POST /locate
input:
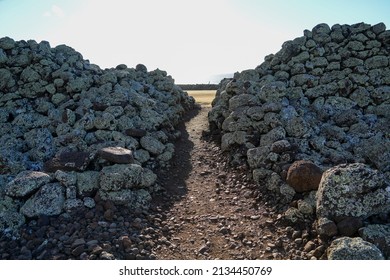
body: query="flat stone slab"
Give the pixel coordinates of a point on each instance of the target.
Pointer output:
(116, 155)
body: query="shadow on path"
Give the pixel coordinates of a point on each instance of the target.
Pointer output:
(174, 178)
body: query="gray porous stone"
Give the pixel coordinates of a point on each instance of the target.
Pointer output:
(68, 161)
(353, 190)
(379, 235)
(72, 203)
(48, 200)
(7, 43)
(152, 145)
(133, 199)
(66, 179)
(87, 182)
(347, 248)
(125, 176)
(10, 223)
(26, 183)
(89, 202)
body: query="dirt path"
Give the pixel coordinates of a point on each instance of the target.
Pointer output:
(213, 211)
(208, 211)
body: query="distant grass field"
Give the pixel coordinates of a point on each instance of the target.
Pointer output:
(203, 97)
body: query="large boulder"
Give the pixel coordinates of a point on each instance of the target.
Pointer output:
(353, 190)
(346, 248)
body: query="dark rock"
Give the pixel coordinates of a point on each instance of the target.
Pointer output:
(141, 68)
(134, 132)
(78, 250)
(304, 176)
(349, 226)
(78, 242)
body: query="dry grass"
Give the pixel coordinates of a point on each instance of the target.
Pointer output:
(203, 97)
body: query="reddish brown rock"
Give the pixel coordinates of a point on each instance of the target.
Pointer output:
(304, 176)
(116, 155)
(68, 161)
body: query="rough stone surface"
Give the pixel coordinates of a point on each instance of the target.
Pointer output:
(49, 201)
(346, 248)
(352, 190)
(26, 183)
(133, 199)
(152, 145)
(87, 182)
(304, 176)
(68, 161)
(349, 226)
(10, 222)
(125, 176)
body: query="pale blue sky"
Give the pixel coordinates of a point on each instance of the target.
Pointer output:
(192, 40)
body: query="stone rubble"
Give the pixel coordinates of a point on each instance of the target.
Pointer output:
(323, 100)
(70, 130)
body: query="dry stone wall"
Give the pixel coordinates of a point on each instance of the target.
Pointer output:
(324, 97)
(313, 119)
(70, 130)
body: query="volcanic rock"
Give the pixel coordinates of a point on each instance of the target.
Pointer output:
(346, 248)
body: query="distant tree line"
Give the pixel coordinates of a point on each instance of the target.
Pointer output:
(199, 87)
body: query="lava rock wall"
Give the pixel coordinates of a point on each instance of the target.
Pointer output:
(70, 130)
(324, 97)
